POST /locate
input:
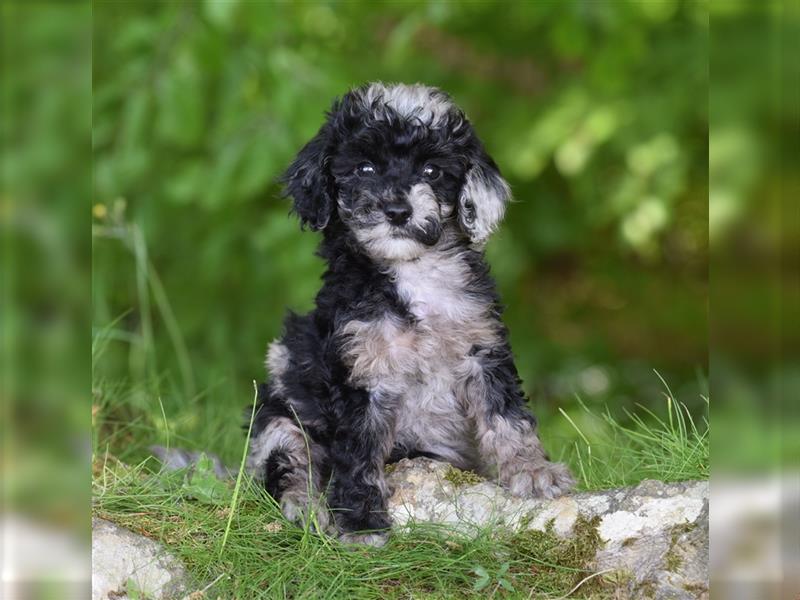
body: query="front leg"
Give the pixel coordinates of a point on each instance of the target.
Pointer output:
(358, 492)
(506, 431)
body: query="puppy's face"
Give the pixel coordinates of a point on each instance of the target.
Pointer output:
(396, 188)
(401, 168)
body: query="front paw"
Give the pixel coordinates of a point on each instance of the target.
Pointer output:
(307, 513)
(362, 527)
(542, 480)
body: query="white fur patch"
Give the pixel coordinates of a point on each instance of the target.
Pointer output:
(422, 102)
(277, 363)
(423, 202)
(379, 242)
(483, 205)
(280, 433)
(435, 287)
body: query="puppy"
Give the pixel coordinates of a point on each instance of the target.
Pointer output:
(405, 353)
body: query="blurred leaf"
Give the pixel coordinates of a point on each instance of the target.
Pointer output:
(484, 579)
(136, 118)
(187, 184)
(220, 12)
(506, 584)
(222, 173)
(202, 483)
(181, 104)
(259, 165)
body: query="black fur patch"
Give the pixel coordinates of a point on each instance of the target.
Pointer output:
(274, 471)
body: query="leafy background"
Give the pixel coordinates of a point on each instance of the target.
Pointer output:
(596, 112)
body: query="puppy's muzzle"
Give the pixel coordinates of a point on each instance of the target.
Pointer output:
(398, 212)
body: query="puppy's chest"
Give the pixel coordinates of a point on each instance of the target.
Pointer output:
(426, 351)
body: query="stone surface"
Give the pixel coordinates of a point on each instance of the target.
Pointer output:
(656, 534)
(123, 560)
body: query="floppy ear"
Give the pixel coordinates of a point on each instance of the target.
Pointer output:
(309, 182)
(483, 198)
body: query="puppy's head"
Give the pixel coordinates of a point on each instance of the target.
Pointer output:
(402, 169)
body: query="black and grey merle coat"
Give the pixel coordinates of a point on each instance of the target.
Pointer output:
(405, 353)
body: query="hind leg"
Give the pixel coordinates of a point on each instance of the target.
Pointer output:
(289, 464)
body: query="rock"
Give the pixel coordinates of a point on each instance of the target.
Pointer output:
(654, 534)
(123, 560)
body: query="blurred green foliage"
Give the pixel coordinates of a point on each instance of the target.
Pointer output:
(595, 111)
(755, 234)
(45, 194)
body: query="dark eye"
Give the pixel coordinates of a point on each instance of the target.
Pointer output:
(431, 172)
(366, 169)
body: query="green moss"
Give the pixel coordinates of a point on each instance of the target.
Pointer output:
(673, 561)
(672, 558)
(617, 581)
(646, 589)
(695, 588)
(460, 478)
(560, 563)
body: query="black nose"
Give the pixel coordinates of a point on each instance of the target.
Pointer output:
(398, 213)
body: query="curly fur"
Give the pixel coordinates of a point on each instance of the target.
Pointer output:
(405, 353)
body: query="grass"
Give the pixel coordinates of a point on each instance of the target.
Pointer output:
(668, 447)
(238, 539)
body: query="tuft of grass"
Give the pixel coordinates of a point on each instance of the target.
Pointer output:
(673, 447)
(239, 477)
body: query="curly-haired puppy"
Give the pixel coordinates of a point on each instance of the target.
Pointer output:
(405, 354)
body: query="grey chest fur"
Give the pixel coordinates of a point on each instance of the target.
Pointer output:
(417, 370)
